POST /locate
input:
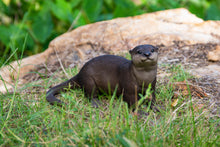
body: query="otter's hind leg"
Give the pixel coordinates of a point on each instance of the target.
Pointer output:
(91, 92)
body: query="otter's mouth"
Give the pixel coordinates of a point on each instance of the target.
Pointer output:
(146, 59)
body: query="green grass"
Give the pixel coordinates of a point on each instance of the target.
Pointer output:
(27, 119)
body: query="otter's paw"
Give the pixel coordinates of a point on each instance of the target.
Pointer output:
(95, 103)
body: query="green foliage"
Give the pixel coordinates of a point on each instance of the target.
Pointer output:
(43, 20)
(206, 9)
(92, 9)
(124, 8)
(213, 11)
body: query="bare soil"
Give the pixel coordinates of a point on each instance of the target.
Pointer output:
(194, 59)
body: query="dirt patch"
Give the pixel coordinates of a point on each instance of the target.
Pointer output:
(194, 59)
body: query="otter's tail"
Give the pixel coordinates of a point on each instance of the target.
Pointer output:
(50, 96)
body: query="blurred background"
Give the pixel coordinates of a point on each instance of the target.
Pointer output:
(27, 26)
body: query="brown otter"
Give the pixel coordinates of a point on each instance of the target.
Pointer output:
(114, 72)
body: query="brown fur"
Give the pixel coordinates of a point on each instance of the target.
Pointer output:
(109, 71)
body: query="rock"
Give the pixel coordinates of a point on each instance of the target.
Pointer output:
(208, 71)
(158, 28)
(214, 55)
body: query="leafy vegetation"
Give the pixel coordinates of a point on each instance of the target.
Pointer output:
(40, 21)
(26, 119)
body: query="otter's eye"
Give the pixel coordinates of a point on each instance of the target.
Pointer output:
(152, 50)
(139, 52)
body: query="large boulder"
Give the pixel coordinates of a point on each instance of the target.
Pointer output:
(162, 28)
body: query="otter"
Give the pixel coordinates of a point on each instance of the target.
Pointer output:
(109, 72)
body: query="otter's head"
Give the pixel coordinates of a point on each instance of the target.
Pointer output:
(144, 55)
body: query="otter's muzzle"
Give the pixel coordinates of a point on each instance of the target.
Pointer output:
(147, 54)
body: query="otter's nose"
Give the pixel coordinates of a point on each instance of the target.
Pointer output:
(147, 54)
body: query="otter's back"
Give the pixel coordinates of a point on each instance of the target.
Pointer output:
(103, 70)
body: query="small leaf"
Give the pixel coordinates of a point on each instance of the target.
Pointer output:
(5, 33)
(12, 35)
(41, 24)
(175, 102)
(124, 8)
(198, 8)
(62, 10)
(77, 16)
(213, 12)
(92, 9)
(74, 3)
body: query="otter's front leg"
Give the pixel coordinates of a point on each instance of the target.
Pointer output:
(133, 104)
(153, 101)
(153, 91)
